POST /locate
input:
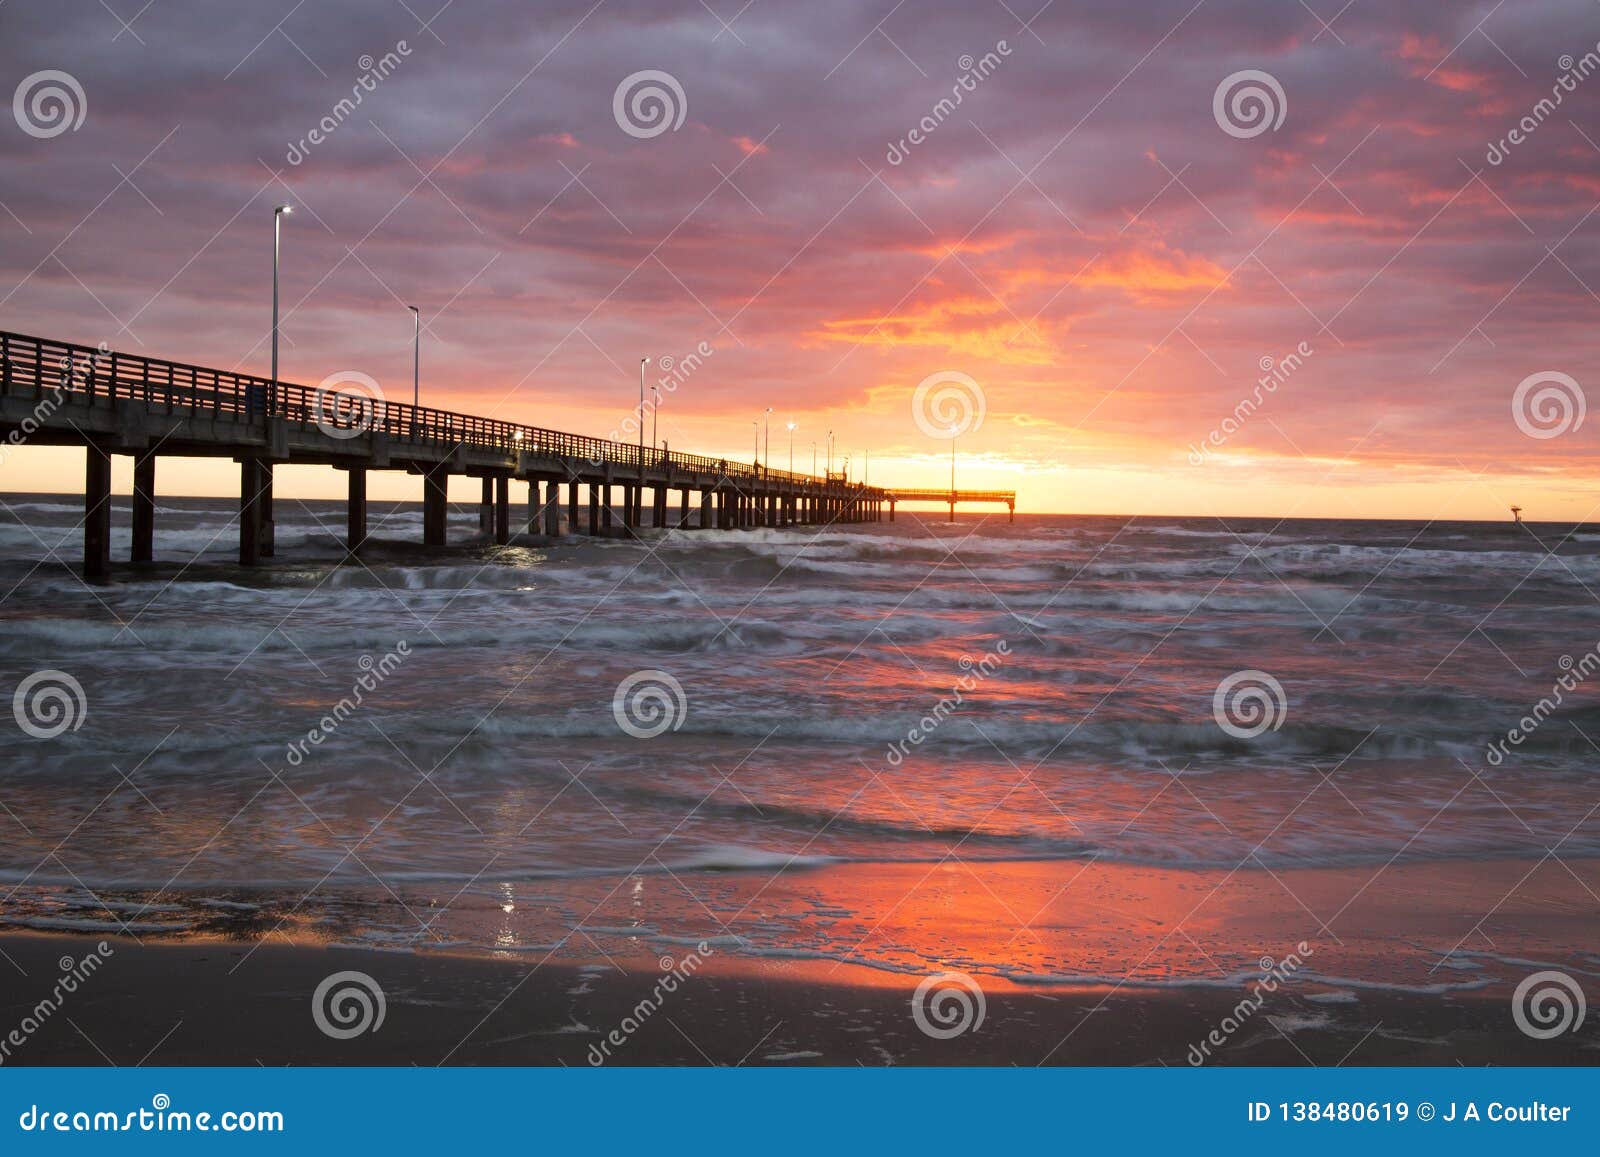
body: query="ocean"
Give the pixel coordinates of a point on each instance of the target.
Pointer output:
(1035, 752)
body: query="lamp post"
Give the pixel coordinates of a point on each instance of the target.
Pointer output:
(766, 447)
(830, 451)
(953, 433)
(277, 232)
(813, 457)
(416, 356)
(642, 363)
(791, 447)
(756, 453)
(655, 416)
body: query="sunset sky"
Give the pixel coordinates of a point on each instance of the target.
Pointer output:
(1080, 236)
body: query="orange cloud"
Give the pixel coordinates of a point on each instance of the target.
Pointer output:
(976, 326)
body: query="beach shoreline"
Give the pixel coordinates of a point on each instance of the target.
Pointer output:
(235, 1004)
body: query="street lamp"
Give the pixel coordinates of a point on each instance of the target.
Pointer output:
(757, 451)
(642, 363)
(953, 433)
(655, 416)
(277, 219)
(830, 451)
(791, 447)
(766, 449)
(813, 457)
(416, 356)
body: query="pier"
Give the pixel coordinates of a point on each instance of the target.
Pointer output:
(61, 394)
(895, 495)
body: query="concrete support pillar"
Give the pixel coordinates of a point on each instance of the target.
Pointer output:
(658, 515)
(250, 482)
(952, 509)
(144, 509)
(486, 507)
(502, 510)
(572, 507)
(594, 508)
(683, 508)
(605, 508)
(96, 512)
(434, 483)
(356, 510)
(552, 508)
(1011, 511)
(891, 510)
(705, 510)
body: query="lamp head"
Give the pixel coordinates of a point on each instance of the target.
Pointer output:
(282, 209)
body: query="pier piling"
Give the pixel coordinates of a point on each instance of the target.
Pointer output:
(96, 512)
(144, 509)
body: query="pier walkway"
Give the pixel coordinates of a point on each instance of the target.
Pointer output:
(57, 393)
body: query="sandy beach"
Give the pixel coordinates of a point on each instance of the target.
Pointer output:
(185, 1004)
(1382, 981)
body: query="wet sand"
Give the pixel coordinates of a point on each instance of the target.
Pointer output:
(229, 1003)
